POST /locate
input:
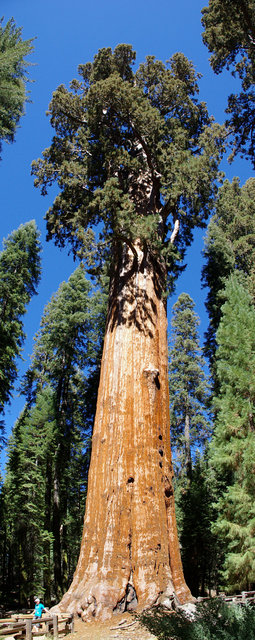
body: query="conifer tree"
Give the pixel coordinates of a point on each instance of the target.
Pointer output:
(66, 358)
(233, 443)
(135, 156)
(28, 502)
(190, 430)
(229, 246)
(230, 37)
(189, 388)
(26, 485)
(13, 78)
(201, 552)
(69, 337)
(19, 277)
(2, 542)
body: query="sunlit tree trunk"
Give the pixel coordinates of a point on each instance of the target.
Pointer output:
(130, 553)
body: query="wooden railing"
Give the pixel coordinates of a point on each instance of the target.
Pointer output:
(25, 626)
(245, 597)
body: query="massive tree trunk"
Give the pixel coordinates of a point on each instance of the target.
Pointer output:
(129, 552)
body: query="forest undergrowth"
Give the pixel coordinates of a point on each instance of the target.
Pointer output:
(213, 620)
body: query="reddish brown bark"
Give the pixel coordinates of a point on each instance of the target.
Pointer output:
(130, 535)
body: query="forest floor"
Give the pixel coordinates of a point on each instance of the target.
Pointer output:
(121, 627)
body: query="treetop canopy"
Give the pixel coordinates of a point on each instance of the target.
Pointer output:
(230, 37)
(135, 155)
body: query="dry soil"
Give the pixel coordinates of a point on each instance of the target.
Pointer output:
(121, 627)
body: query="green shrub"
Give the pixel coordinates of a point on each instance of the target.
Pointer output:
(213, 620)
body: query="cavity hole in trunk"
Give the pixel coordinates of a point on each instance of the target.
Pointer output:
(130, 480)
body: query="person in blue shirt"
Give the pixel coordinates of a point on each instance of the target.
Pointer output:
(38, 610)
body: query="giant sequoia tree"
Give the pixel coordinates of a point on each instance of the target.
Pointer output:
(135, 156)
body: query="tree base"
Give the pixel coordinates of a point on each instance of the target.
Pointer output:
(101, 602)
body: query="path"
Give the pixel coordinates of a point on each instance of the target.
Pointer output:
(120, 627)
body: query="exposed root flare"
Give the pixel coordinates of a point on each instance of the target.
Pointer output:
(169, 601)
(87, 608)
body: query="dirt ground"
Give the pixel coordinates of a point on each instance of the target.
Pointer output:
(120, 627)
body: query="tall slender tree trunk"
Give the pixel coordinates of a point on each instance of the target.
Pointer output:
(3, 560)
(188, 462)
(129, 552)
(47, 528)
(59, 500)
(56, 523)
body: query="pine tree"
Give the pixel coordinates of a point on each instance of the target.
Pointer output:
(13, 78)
(190, 430)
(189, 389)
(135, 156)
(26, 486)
(19, 277)
(65, 368)
(233, 444)
(45, 484)
(230, 36)
(28, 502)
(2, 542)
(201, 552)
(229, 246)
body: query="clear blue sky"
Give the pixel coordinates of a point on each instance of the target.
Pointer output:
(67, 34)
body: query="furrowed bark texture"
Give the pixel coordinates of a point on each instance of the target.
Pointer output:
(129, 552)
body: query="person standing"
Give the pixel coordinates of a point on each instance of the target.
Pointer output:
(38, 610)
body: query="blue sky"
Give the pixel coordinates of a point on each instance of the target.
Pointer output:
(67, 34)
